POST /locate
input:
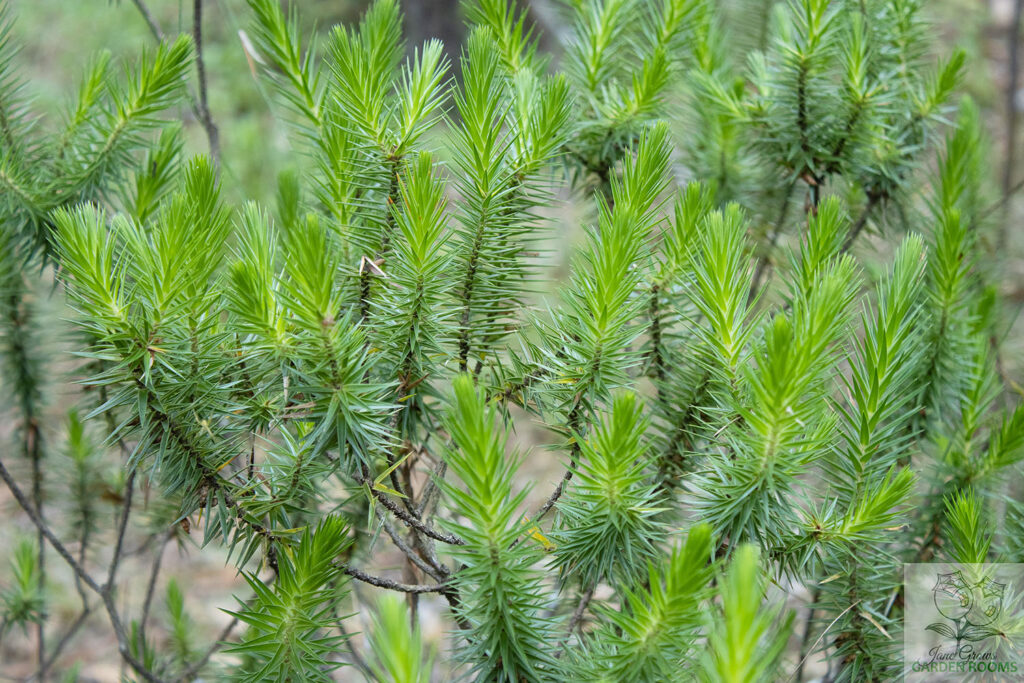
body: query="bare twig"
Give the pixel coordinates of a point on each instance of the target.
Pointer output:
(154, 28)
(19, 496)
(218, 643)
(212, 135)
(357, 659)
(439, 573)
(428, 495)
(198, 105)
(557, 493)
(83, 616)
(806, 638)
(577, 617)
(765, 260)
(409, 520)
(34, 453)
(1001, 202)
(126, 511)
(862, 220)
(574, 454)
(193, 670)
(154, 572)
(827, 628)
(105, 594)
(381, 582)
(19, 313)
(430, 565)
(83, 546)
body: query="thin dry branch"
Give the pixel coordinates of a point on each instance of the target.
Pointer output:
(390, 584)
(105, 592)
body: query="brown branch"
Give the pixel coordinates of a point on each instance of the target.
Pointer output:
(154, 572)
(409, 520)
(212, 135)
(199, 108)
(429, 494)
(827, 628)
(873, 199)
(197, 666)
(557, 493)
(381, 582)
(192, 670)
(1001, 202)
(34, 452)
(154, 28)
(126, 512)
(357, 659)
(19, 315)
(437, 571)
(573, 420)
(764, 261)
(66, 638)
(655, 357)
(805, 640)
(105, 592)
(577, 617)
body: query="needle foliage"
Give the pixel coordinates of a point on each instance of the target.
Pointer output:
(768, 363)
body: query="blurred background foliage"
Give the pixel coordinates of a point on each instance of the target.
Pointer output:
(57, 35)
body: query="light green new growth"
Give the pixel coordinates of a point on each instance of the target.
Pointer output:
(764, 369)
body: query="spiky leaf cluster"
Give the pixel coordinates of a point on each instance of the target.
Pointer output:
(726, 391)
(287, 620)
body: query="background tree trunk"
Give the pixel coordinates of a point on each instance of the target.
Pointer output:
(441, 19)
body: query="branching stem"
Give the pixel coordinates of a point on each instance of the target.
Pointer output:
(105, 592)
(205, 119)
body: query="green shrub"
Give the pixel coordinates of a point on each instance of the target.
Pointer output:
(739, 390)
